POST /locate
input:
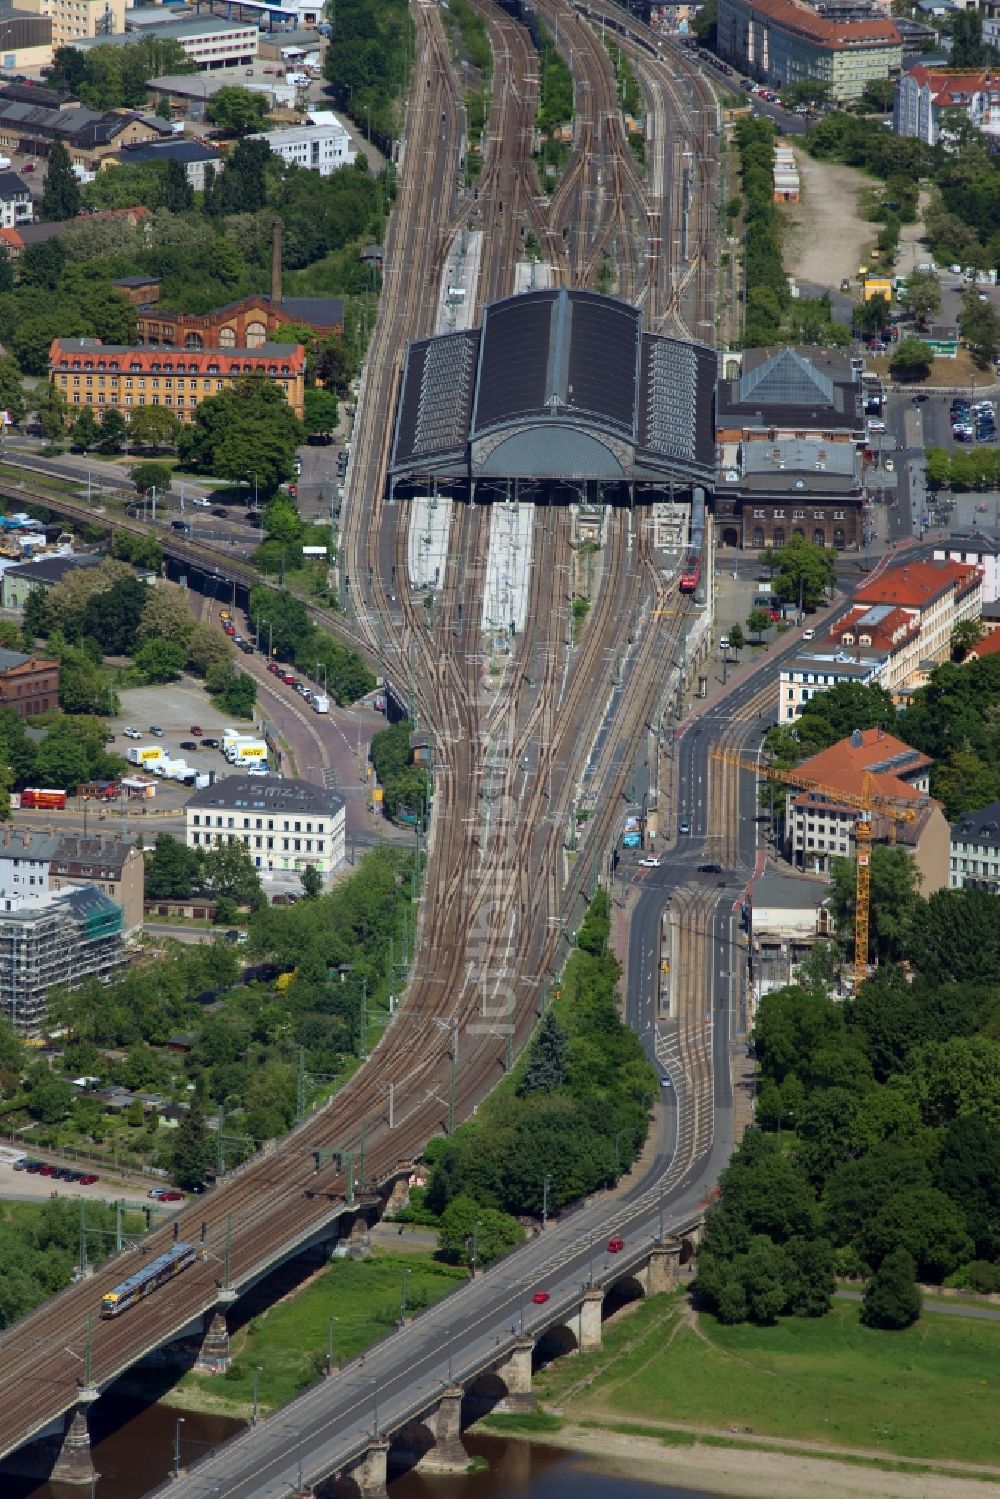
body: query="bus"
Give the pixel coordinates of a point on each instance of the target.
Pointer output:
(145, 1281)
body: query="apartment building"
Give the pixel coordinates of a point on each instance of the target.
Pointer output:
(924, 94)
(113, 865)
(89, 373)
(819, 828)
(980, 548)
(75, 20)
(15, 201)
(785, 41)
(890, 633)
(936, 596)
(320, 147)
(975, 851)
(286, 825)
(809, 673)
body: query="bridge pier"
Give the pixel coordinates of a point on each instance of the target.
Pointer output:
(590, 1334)
(662, 1271)
(74, 1463)
(213, 1355)
(515, 1372)
(448, 1455)
(369, 1472)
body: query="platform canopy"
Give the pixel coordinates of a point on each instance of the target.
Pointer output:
(557, 386)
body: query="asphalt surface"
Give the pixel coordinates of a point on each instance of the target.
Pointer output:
(946, 1308)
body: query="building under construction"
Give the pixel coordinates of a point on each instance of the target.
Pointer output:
(71, 935)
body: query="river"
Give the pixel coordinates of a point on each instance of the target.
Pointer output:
(138, 1455)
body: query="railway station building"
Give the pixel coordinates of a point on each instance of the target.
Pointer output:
(790, 433)
(560, 395)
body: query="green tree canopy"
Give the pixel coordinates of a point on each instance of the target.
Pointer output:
(892, 1298)
(61, 192)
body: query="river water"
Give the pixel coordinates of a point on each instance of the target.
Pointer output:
(138, 1454)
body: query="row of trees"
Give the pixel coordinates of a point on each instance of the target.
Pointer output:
(405, 786)
(284, 623)
(575, 1114)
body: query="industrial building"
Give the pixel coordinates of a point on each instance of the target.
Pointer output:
(322, 146)
(72, 20)
(559, 392)
(211, 42)
(783, 42)
(69, 936)
(286, 825)
(28, 684)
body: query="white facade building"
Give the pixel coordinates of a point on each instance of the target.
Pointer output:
(25, 858)
(981, 550)
(16, 206)
(321, 147)
(804, 676)
(285, 825)
(975, 851)
(924, 94)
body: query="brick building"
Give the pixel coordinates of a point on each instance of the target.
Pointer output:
(89, 373)
(790, 433)
(28, 684)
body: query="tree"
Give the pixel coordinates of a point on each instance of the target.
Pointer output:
(173, 871)
(235, 692)
(229, 871)
(153, 427)
(192, 1152)
(249, 433)
(894, 876)
(50, 1100)
(923, 290)
(160, 660)
(924, 1222)
(955, 938)
(50, 408)
(61, 762)
(892, 1298)
(546, 1069)
(879, 95)
(61, 191)
(282, 521)
(495, 1233)
(737, 640)
(810, 1280)
(166, 616)
(177, 192)
(968, 1172)
(238, 111)
(312, 882)
(805, 571)
(207, 648)
(911, 360)
(965, 637)
(979, 325)
(149, 476)
(112, 617)
(321, 411)
(758, 621)
(113, 431)
(967, 50)
(84, 432)
(12, 398)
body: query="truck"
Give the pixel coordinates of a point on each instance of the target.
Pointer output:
(43, 797)
(145, 754)
(320, 702)
(249, 751)
(98, 791)
(246, 762)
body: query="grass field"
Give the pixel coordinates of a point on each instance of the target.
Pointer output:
(930, 1392)
(289, 1342)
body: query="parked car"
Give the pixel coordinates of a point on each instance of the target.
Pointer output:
(189, 744)
(222, 514)
(131, 733)
(197, 730)
(171, 1196)
(89, 1179)
(156, 1193)
(201, 502)
(210, 744)
(156, 731)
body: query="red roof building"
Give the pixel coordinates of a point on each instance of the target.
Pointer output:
(819, 829)
(924, 93)
(784, 41)
(933, 596)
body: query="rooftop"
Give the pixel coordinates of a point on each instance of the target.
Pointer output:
(28, 843)
(75, 852)
(292, 134)
(788, 892)
(175, 150)
(979, 827)
(828, 32)
(278, 798)
(883, 625)
(13, 186)
(915, 585)
(53, 569)
(988, 646)
(814, 387)
(867, 752)
(168, 29)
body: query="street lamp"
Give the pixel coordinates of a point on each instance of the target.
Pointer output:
(546, 1184)
(177, 1446)
(402, 1308)
(256, 1377)
(329, 1347)
(475, 1245)
(374, 1380)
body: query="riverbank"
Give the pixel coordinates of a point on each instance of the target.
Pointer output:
(720, 1465)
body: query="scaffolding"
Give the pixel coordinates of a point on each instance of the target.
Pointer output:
(76, 934)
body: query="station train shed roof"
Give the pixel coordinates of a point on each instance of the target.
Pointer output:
(557, 385)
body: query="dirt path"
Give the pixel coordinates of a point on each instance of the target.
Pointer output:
(827, 236)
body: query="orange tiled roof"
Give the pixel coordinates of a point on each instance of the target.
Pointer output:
(988, 646)
(844, 765)
(804, 20)
(882, 632)
(914, 585)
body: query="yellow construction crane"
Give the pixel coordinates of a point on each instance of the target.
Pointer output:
(870, 800)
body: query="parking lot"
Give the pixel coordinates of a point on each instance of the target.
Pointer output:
(21, 1186)
(175, 708)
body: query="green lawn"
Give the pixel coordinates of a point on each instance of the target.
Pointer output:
(289, 1341)
(929, 1392)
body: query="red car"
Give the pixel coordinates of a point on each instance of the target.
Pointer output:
(230, 630)
(197, 729)
(46, 1170)
(89, 1180)
(540, 1298)
(616, 1245)
(171, 1197)
(275, 669)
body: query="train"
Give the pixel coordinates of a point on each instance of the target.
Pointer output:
(145, 1281)
(691, 571)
